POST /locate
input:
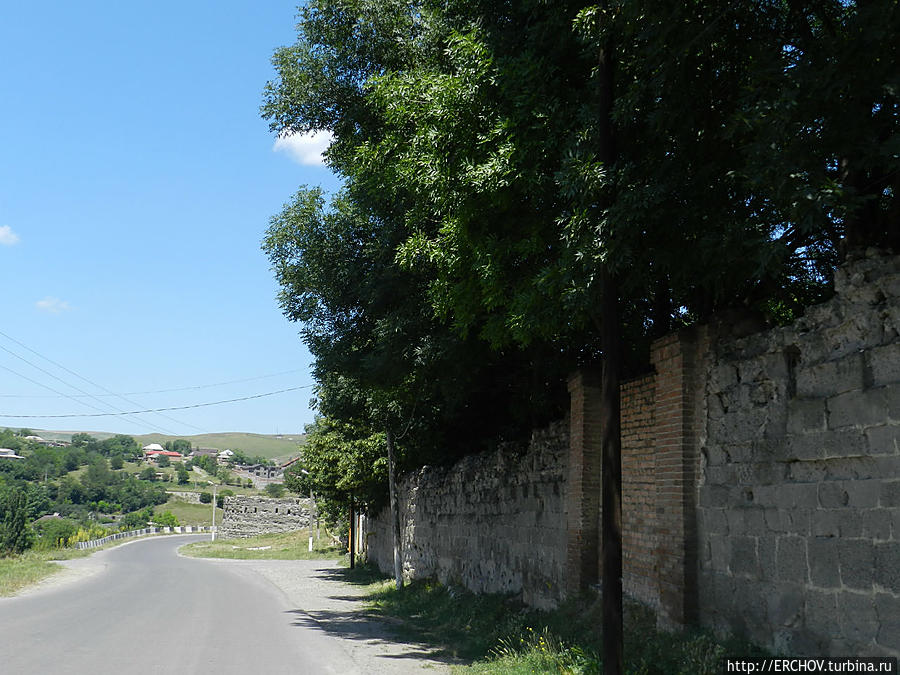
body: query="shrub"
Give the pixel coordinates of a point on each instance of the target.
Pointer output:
(206, 498)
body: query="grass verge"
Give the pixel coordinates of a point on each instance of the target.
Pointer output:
(497, 634)
(18, 572)
(276, 546)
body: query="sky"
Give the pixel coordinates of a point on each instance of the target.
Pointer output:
(137, 180)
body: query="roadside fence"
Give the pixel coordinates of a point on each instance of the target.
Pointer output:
(182, 529)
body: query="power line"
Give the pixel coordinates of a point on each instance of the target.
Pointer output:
(156, 410)
(168, 391)
(68, 384)
(81, 377)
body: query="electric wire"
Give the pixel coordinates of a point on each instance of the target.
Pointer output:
(78, 389)
(167, 391)
(98, 386)
(155, 410)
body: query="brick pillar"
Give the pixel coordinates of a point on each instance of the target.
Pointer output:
(676, 441)
(583, 485)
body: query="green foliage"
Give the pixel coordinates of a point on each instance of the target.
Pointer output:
(183, 476)
(163, 461)
(495, 172)
(15, 535)
(206, 498)
(165, 519)
(274, 490)
(54, 533)
(136, 520)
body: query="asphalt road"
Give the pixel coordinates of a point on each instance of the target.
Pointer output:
(147, 610)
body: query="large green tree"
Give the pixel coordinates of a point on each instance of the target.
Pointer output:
(572, 179)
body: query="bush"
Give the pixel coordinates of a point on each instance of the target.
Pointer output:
(55, 533)
(206, 498)
(165, 519)
(274, 489)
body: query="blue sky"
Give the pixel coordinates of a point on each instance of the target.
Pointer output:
(136, 183)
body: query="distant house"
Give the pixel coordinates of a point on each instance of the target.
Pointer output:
(207, 452)
(224, 456)
(35, 438)
(6, 453)
(154, 451)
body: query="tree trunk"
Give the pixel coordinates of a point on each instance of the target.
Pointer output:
(611, 479)
(395, 510)
(611, 440)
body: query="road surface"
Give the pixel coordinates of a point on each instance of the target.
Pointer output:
(140, 608)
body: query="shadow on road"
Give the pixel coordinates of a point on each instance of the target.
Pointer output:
(366, 627)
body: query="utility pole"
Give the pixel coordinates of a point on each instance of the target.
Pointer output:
(395, 510)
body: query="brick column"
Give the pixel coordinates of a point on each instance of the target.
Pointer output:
(676, 442)
(583, 485)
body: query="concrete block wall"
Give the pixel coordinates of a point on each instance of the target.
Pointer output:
(493, 522)
(249, 516)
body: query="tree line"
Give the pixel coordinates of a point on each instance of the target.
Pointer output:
(529, 186)
(532, 187)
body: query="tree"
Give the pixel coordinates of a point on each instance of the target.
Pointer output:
(183, 475)
(566, 179)
(163, 461)
(15, 536)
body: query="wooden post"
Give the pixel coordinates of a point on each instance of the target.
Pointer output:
(395, 511)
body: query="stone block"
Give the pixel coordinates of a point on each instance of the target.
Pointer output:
(744, 560)
(884, 364)
(862, 494)
(797, 495)
(857, 560)
(826, 523)
(887, 566)
(824, 570)
(832, 377)
(821, 613)
(857, 409)
(786, 605)
(805, 415)
(850, 523)
(790, 559)
(890, 494)
(765, 547)
(876, 524)
(825, 444)
(833, 495)
(856, 612)
(884, 439)
(887, 610)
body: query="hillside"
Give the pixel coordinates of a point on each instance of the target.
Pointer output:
(279, 447)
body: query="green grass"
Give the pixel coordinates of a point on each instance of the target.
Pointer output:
(190, 514)
(497, 634)
(280, 447)
(276, 546)
(20, 571)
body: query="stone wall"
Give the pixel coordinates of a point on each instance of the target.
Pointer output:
(761, 484)
(799, 475)
(248, 516)
(493, 522)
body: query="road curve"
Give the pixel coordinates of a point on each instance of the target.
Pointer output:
(149, 611)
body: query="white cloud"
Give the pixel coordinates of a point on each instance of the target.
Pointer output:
(52, 305)
(304, 149)
(7, 236)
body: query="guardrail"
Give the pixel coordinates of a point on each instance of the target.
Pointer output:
(185, 529)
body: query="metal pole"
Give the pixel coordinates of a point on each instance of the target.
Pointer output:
(214, 512)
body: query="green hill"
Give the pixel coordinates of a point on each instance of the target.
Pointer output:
(281, 447)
